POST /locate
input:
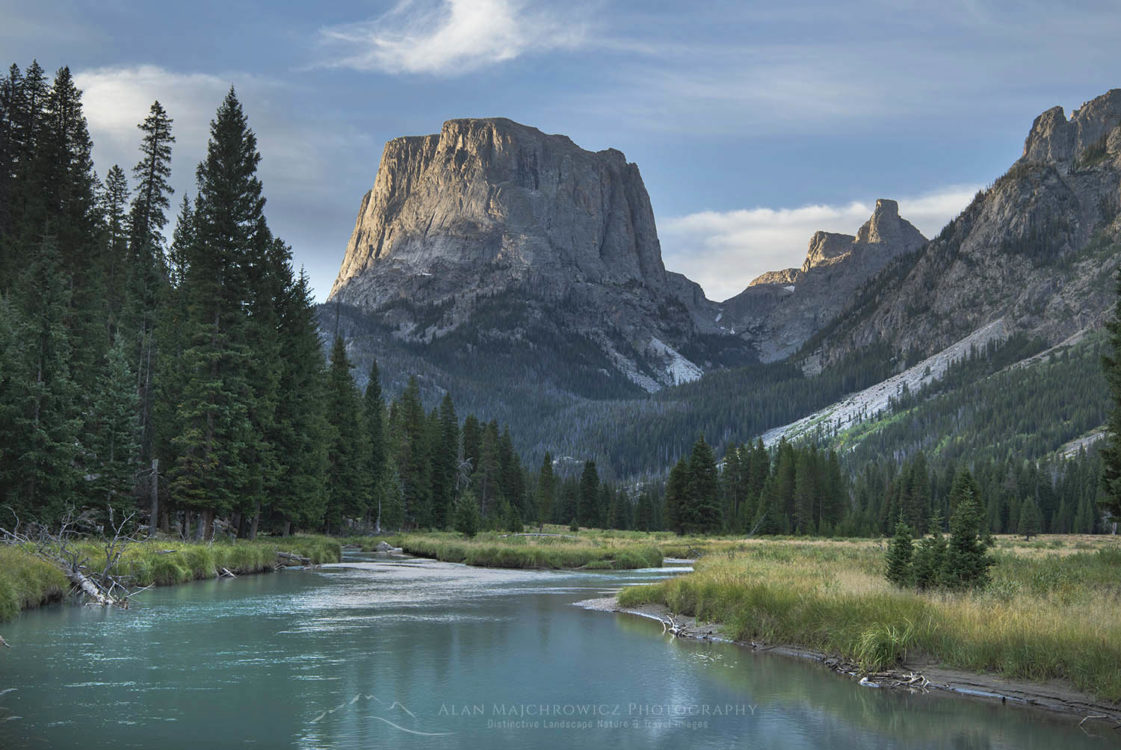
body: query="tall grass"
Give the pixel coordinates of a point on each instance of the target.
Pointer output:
(495, 550)
(27, 581)
(1050, 613)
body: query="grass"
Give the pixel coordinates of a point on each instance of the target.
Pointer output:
(1050, 613)
(27, 581)
(585, 550)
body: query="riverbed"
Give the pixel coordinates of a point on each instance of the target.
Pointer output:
(411, 653)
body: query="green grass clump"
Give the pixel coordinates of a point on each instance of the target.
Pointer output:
(27, 581)
(1050, 612)
(565, 551)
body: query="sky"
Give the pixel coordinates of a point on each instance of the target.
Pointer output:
(753, 124)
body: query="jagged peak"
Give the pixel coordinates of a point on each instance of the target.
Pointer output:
(887, 226)
(1053, 139)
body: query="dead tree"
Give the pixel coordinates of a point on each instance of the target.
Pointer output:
(107, 586)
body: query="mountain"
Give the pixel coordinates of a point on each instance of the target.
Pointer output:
(492, 243)
(780, 310)
(523, 274)
(1037, 250)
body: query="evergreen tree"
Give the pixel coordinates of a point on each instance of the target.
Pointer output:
(113, 204)
(347, 452)
(702, 492)
(899, 553)
(1029, 522)
(967, 562)
(1110, 498)
(588, 510)
(301, 437)
(214, 414)
(445, 463)
(374, 409)
(677, 492)
(930, 557)
(546, 491)
(466, 514)
(114, 444)
(146, 278)
(413, 458)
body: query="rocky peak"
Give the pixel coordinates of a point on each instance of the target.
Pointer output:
(1055, 140)
(826, 247)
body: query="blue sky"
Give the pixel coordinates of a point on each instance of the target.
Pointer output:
(753, 124)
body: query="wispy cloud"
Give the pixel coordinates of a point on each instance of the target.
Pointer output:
(724, 250)
(448, 37)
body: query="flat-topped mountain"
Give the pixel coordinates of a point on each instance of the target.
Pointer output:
(491, 232)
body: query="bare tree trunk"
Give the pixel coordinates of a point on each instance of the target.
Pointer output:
(256, 521)
(208, 525)
(287, 528)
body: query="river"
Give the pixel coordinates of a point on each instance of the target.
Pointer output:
(421, 654)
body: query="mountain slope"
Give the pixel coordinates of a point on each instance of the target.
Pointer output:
(1037, 249)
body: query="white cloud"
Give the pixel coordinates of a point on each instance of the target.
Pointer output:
(724, 250)
(448, 38)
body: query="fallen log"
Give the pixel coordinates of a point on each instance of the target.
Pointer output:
(3, 642)
(295, 559)
(89, 588)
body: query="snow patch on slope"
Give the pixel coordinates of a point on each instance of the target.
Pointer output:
(866, 404)
(677, 368)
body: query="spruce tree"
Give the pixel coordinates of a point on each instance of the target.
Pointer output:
(414, 458)
(677, 491)
(113, 206)
(899, 553)
(1029, 522)
(445, 463)
(1110, 498)
(546, 491)
(967, 562)
(216, 429)
(373, 406)
(347, 452)
(146, 279)
(588, 510)
(930, 557)
(466, 514)
(113, 448)
(702, 492)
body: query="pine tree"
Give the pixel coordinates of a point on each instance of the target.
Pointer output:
(42, 422)
(374, 409)
(347, 452)
(466, 514)
(146, 278)
(546, 491)
(114, 445)
(967, 562)
(899, 553)
(445, 464)
(214, 414)
(1029, 521)
(677, 491)
(930, 557)
(588, 510)
(300, 494)
(414, 458)
(113, 204)
(702, 492)
(1110, 498)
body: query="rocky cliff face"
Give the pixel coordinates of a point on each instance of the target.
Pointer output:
(1038, 250)
(780, 310)
(495, 231)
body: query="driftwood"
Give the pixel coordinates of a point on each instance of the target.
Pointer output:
(3, 642)
(107, 586)
(291, 559)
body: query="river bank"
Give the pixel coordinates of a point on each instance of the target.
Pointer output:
(1046, 632)
(28, 581)
(549, 551)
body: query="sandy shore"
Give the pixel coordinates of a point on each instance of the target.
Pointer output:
(912, 676)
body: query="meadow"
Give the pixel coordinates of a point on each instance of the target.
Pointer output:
(1051, 611)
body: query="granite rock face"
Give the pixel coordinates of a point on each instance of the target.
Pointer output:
(1038, 250)
(780, 310)
(495, 229)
